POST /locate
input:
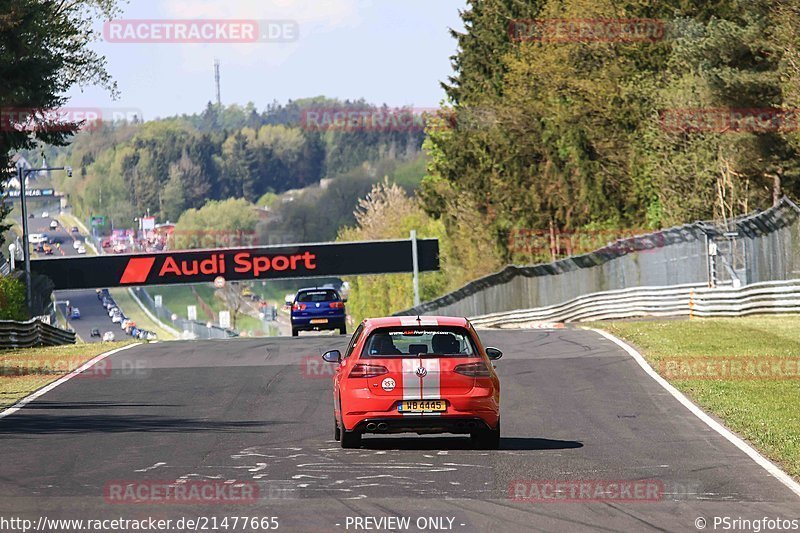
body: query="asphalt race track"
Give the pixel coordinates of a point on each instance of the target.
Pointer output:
(93, 315)
(575, 407)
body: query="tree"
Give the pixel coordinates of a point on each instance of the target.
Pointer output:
(12, 299)
(216, 224)
(43, 53)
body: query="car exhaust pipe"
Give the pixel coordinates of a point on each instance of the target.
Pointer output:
(383, 426)
(371, 426)
(472, 425)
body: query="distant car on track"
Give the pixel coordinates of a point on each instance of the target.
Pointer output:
(108, 336)
(416, 375)
(45, 214)
(81, 250)
(53, 225)
(74, 229)
(318, 309)
(94, 333)
(47, 249)
(75, 314)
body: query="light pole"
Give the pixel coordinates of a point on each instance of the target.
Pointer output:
(22, 176)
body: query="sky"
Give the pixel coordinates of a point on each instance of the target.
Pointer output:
(387, 51)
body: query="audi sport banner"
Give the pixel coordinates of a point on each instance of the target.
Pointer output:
(269, 262)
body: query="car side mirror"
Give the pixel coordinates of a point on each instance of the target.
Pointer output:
(494, 353)
(333, 356)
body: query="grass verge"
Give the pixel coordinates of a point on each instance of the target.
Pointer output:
(135, 313)
(26, 370)
(758, 397)
(177, 298)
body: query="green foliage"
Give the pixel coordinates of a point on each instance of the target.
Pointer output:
(166, 166)
(44, 53)
(12, 299)
(230, 217)
(569, 135)
(388, 213)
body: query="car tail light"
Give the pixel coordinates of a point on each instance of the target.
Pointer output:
(368, 371)
(473, 370)
(299, 307)
(337, 305)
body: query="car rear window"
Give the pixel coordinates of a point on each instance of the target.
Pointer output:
(317, 296)
(419, 342)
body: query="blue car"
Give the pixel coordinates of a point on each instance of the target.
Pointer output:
(76, 313)
(318, 309)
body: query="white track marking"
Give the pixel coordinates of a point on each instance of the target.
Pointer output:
(47, 388)
(751, 452)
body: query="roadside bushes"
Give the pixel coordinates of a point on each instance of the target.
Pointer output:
(12, 299)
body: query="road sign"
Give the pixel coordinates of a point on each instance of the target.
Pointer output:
(225, 319)
(191, 311)
(219, 282)
(98, 220)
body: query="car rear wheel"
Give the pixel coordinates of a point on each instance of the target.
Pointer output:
(294, 332)
(487, 439)
(337, 433)
(343, 330)
(351, 439)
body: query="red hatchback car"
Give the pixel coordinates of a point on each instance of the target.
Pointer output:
(416, 375)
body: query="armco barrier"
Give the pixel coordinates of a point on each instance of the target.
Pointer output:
(680, 300)
(764, 246)
(32, 333)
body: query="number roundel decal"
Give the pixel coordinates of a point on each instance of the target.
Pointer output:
(388, 384)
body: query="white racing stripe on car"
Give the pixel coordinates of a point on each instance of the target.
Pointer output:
(423, 321)
(431, 383)
(419, 388)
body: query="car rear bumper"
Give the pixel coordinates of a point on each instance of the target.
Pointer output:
(304, 323)
(484, 408)
(423, 424)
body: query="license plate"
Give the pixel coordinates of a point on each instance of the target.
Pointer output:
(319, 320)
(421, 406)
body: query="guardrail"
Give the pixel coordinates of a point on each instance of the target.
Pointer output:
(755, 248)
(32, 333)
(671, 301)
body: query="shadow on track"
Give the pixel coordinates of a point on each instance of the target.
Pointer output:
(40, 404)
(41, 424)
(463, 443)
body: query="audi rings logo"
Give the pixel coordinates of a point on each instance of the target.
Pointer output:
(422, 372)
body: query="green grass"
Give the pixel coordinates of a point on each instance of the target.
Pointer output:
(26, 370)
(176, 298)
(764, 410)
(135, 313)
